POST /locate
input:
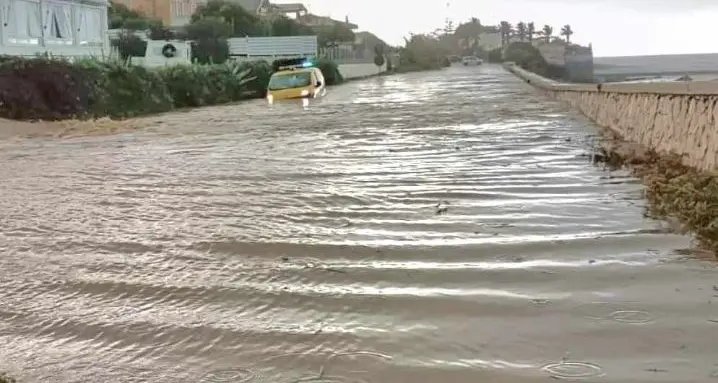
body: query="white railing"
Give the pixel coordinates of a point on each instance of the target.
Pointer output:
(115, 33)
(289, 46)
(347, 55)
(58, 28)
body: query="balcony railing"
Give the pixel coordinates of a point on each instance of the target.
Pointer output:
(31, 27)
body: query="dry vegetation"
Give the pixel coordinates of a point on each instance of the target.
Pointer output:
(674, 191)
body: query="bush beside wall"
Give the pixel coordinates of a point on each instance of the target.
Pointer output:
(47, 89)
(528, 57)
(331, 72)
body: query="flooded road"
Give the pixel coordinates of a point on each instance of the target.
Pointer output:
(430, 227)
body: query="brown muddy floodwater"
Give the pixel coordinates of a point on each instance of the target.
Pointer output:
(432, 227)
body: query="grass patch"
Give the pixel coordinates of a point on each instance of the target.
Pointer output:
(674, 191)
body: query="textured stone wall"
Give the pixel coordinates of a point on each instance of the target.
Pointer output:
(680, 117)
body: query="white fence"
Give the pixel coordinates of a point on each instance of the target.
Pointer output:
(271, 47)
(113, 34)
(58, 28)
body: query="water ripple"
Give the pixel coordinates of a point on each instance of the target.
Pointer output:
(443, 226)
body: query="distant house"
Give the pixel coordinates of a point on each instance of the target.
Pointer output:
(323, 21)
(177, 13)
(368, 40)
(180, 12)
(292, 10)
(258, 7)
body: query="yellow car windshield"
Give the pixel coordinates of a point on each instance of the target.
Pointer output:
(289, 80)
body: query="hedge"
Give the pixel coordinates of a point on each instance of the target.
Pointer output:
(528, 57)
(330, 70)
(50, 89)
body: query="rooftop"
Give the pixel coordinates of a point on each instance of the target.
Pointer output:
(311, 19)
(290, 7)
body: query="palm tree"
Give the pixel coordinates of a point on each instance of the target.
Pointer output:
(521, 30)
(505, 30)
(531, 31)
(567, 32)
(547, 32)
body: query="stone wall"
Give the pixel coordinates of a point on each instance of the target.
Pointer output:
(354, 71)
(676, 117)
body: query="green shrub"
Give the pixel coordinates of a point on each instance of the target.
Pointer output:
(261, 71)
(125, 90)
(128, 45)
(422, 52)
(530, 58)
(379, 59)
(331, 72)
(200, 85)
(43, 89)
(495, 55)
(49, 89)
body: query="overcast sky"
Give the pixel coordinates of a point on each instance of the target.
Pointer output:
(615, 27)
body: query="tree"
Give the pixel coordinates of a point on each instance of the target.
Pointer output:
(567, 32)
(117, 14)
(129, 45)
(284, 26)
(160, 32)
(547, 32)
(135, 24)
(531, 31)
(470, 33)
(521, 30)
(242, 22)
(379, 55)
(208, 28)
(422, 52)
(209, 36)
(505, 30)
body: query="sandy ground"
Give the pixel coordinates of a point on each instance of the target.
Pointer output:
(68, 128)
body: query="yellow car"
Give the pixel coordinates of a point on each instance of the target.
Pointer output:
(295, 79)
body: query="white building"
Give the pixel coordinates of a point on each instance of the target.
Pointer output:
(54, 27)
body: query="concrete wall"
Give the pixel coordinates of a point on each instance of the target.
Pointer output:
(352, 71)
(553, 53)
(579, 64)
(676, 117)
